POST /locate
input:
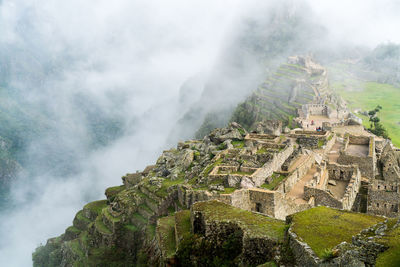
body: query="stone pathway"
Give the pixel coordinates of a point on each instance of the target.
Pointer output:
(297, 191)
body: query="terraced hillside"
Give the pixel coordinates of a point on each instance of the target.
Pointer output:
(279, 97)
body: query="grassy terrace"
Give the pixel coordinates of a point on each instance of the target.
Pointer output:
(166, 233)
(182, 220)
(96, 206)
(276, 180)
(323, 228)
(253, 224)
(391, 257)
(238, 144)
(369, 97)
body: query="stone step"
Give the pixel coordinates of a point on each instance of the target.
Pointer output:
(152, 204)
(101, 228)
(109, 220)
(149, 194)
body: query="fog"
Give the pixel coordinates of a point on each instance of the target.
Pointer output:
(127, 60)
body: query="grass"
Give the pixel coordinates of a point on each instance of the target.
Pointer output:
(166, 233)
(96, 206)
(256, 225)
(323, 228)
(321, 142)
(130, 227)
(390, 257)
(112, 191)
(369, 97)
(238, 144)
(276, 180)
(101, 226)
(262, 150)
(228, 190)
(183, 226)
(210, 167)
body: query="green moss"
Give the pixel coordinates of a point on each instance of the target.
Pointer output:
(276, 180)
(182, 220)
(256, 225)
(390, 257)
(228, 190)
(73, 229)
(130, 227)
(262, 150)
(210, 167)
(96, 206)
(151, 231)
(222, 146)
(238, 144)
(321, 142)
(166, 233)
(101, 226)
(111, 218)
(80, 217)
(113, 191)
(167, 183)
(139, 218)
(323, 228)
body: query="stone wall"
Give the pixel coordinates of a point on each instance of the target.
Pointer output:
(341, 172)
(383, 198)
(262, 201)
(366, 164)
(295, 176)
(273, 165)
(322, 197)
(351, 190)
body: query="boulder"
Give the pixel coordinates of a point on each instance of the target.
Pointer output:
(233, 180)
(246, 182)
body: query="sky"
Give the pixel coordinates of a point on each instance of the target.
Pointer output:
(143, 51)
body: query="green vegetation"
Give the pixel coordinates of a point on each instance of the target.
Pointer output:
(372, 94)
(238, 144)
(255, 224)
(222, 146)
(323, 228)
(101, 226)
(182, 220)
(210, 167)
(321, 142)
(166, 232)
(228, 190)
(390, 257)
(96, 206)
(262, 150)
(276, 180)
(376, 127)
(111, 192)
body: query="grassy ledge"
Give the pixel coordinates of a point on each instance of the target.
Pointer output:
(323, 228)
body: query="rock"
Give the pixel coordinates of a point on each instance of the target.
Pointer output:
(286, 130)
(233, 180)
(246, 182)
(216, 187)
(187, 158)
(273, 127)
(332, 182)
(233, 131)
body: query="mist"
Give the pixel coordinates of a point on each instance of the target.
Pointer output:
(126, 61)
